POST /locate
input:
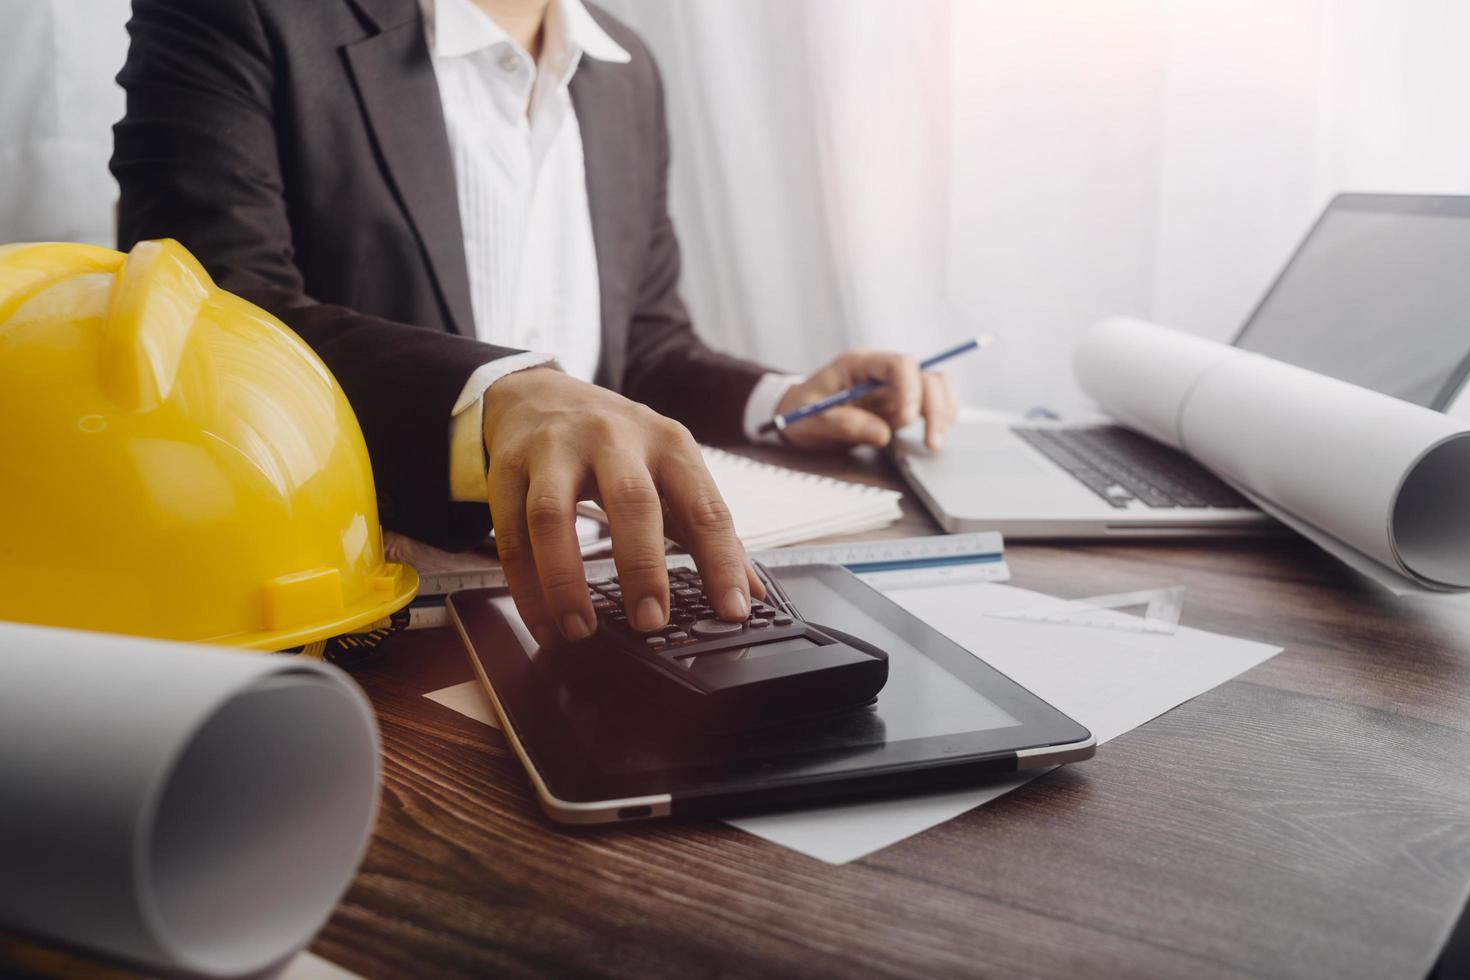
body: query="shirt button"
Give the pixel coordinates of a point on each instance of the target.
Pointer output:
(510, 63)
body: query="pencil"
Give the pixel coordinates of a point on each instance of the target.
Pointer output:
(780, 422)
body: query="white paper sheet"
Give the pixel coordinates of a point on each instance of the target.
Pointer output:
(309, 966)
(185, 808)
(1388, 479)
(1109, 681)
(469, 699)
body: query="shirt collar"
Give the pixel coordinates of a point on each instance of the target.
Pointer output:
(459, 27)
(582, 33)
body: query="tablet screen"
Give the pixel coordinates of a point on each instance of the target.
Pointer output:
(593, 737)
(920, 700)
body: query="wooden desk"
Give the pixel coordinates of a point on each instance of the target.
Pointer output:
(1308, 819)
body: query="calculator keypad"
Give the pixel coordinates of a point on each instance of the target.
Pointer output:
(693, 627)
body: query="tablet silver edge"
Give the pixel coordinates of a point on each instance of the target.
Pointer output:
(1055, 755)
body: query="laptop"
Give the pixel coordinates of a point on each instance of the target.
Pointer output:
(1376, 294)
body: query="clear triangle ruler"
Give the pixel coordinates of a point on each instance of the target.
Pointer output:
(1160, 607)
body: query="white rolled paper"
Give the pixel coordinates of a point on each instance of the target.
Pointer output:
(1347, 466)
(181, 807)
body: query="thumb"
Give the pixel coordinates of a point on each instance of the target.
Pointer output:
(846, 425)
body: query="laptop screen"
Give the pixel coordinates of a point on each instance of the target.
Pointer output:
(1379, 295)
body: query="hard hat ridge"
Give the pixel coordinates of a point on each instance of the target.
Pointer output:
(176, 463)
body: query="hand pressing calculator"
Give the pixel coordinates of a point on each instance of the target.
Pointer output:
(771, 668)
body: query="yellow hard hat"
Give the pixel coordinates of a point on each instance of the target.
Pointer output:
(175, 462)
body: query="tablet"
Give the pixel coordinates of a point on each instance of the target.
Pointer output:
(596, 754)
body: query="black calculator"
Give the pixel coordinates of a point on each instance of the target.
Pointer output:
(774, 667)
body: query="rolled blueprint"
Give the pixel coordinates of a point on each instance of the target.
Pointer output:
(180, 807)
(1363, 474)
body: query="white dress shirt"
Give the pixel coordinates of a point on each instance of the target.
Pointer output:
(521, 182)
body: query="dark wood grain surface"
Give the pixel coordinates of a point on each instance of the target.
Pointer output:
(1309, 819)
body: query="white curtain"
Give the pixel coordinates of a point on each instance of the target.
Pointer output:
(809, 177)
(58, 101)
(904, 172)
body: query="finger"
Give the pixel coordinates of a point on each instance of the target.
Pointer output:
(508, 484)
(551, 519)
(952, 400)
(757, 587)
(900, 402)
(936, 411)
(707, 529)
(635, 520)
(846, 425)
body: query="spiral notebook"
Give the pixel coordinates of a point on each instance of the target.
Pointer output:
(774, 506)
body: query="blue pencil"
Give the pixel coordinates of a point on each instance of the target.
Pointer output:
(780, 422)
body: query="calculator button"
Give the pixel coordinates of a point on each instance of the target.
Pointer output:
(678, 636)
(759, 623)
(783, 620)
(716, 627)
(600, 583)
(656, 642)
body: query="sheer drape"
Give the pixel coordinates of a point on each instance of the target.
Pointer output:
(901, 172)
(809, 172)
(58, 102)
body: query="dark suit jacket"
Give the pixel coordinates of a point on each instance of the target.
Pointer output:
(298, 148)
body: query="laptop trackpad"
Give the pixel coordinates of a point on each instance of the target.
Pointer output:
(984, 450)
(997, 462)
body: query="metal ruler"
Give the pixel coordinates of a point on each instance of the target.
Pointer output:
(894, 564)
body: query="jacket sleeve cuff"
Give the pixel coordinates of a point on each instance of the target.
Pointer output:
(760, 407)
(467, 463)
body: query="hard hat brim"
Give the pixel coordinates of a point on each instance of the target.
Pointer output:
(376, 606)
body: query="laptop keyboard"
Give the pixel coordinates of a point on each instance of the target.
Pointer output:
(1120, 466)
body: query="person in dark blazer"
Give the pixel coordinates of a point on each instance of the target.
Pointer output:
(461, 205)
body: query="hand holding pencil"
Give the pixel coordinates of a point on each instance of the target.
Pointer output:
(863, 397)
